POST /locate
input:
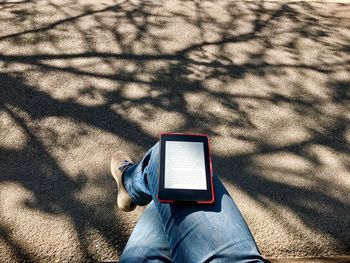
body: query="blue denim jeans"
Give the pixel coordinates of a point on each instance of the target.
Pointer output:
(183, 232)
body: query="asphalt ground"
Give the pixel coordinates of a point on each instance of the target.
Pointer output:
(269, 82)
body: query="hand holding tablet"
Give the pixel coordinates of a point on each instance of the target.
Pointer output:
(185, 169)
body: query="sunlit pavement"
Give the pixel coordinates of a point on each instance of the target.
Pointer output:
(267, 81)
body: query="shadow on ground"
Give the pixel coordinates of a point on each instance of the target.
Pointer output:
(269, 82)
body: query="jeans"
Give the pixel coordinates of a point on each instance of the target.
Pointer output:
(184, 232)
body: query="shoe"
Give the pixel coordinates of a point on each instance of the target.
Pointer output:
(120, 161)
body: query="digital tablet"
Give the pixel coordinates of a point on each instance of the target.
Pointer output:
(185, 169)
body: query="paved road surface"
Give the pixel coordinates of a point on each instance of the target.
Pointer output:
(268, 81)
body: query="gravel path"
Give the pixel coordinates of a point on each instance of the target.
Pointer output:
(268, 81)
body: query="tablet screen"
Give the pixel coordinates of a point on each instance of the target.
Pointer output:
(184, 165)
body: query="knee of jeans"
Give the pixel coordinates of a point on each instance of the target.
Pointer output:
(151, 152)
(151, 155)
(154, 158)
(155, 148)
(145, 162)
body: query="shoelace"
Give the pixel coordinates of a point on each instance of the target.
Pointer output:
(125, 165)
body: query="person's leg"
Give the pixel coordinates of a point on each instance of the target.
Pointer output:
(147, 242)
(195, 233)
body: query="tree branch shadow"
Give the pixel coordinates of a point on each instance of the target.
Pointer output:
(233, 81)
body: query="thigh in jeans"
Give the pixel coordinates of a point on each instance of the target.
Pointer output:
(147, 242)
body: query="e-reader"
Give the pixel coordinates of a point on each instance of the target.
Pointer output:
(185, 170)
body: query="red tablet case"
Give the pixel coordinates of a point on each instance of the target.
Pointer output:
(211, 172)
